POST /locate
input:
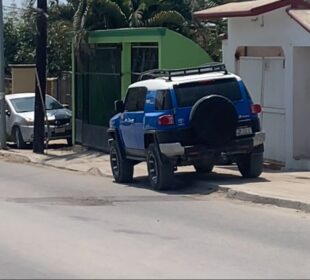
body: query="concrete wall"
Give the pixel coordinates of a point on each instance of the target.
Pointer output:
(301, 103)
(23, 79)
(278, 29)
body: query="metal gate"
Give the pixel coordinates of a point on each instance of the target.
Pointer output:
(98, 85)
(144, 56)
(264, 78)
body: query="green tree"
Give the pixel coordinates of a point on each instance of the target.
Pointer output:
(10, 42)
(20, 36)
(59, 39)
(208, 34)
(108, 14)
(26, 37)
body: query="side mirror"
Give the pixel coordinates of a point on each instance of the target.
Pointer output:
(66, 106)
(119, 106)
(7, 112)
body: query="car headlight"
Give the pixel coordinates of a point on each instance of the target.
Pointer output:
(29, 121)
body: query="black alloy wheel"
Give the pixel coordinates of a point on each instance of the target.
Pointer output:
(122, 168)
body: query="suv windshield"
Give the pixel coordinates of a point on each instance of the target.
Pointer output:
(188, 94)
(26, 104)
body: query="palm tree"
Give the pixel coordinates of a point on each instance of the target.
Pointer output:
(109, 14)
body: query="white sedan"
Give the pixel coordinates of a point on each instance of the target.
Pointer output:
(20, 119)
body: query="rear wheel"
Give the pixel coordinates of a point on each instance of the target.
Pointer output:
(251, 165)
(160, 169)
(69, 141)
(122, 168)
(18, 137)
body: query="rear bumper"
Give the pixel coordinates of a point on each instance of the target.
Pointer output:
(238, 146)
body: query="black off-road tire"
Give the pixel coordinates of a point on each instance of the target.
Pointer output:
(251, 165)
(204, 166)
(160, 169)
(122, 168)
(18, 138)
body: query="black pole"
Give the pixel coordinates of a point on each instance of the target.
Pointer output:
(39, 131)
(2, 93)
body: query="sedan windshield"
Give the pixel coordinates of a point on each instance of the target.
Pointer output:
(26, 104)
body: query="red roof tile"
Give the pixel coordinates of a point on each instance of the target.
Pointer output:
(242, 9)
(302, 17)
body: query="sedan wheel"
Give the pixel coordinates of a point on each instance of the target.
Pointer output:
(20, 143)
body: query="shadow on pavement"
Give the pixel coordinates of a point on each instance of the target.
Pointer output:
(192, 183)
(59, 150)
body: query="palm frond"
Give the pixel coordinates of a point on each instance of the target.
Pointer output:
(165, 18)
(136, 15)
(105, 14)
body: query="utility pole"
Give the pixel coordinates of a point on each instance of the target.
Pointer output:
(39, 127)
(2, 94)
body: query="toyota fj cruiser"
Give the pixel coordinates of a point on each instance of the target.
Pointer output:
(185, 117)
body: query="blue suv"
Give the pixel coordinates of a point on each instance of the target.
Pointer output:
(183, 117)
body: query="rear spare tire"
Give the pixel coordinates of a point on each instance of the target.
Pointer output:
(214, 120)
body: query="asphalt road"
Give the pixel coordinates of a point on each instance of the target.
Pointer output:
(60, 224)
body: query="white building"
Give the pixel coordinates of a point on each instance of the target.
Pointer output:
(268, 45)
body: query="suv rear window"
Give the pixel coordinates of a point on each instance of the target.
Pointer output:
(188, 94)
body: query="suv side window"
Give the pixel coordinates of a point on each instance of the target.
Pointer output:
(163, 100)
(135, 99)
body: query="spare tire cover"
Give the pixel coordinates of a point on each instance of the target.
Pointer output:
(214, 120)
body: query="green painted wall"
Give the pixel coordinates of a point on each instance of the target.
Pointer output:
(126, 67)
(128, 35)
(177, 51)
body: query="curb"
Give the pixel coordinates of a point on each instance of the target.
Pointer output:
(230, 193)
(14, 157)
(261, 199)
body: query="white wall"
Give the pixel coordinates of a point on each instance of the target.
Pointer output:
(275, 28)
(301, 102)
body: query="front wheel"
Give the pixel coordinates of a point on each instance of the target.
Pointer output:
(160, 169)
(251, 165)
(18, 137)
(122, 168)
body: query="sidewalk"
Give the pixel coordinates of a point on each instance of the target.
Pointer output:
(284, 189)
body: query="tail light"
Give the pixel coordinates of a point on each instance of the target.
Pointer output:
(256, 108)
(166, 120)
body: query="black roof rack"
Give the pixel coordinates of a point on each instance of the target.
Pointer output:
(208, 68)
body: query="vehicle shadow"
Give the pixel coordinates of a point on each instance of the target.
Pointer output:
(192, 183)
